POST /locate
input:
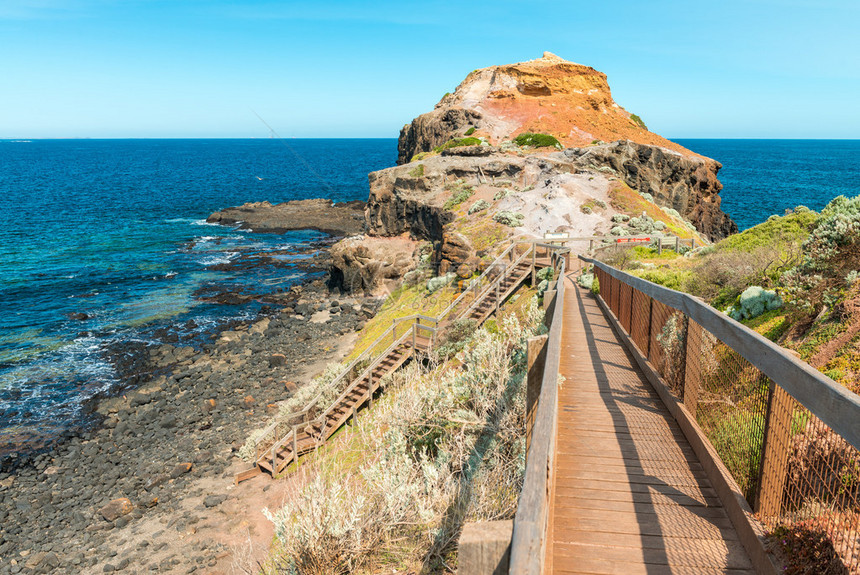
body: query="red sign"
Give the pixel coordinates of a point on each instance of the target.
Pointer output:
(631, 240)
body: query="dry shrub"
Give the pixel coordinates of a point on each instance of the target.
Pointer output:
(446, 448)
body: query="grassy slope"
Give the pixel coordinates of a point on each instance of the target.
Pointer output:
(781, 232)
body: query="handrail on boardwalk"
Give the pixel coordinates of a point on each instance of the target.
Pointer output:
(783, 439)
(530, 523)
(832, 403)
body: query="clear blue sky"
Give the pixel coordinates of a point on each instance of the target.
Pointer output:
(197, 68)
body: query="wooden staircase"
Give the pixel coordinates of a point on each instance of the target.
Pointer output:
(284, 443)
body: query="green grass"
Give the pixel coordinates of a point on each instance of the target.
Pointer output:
(794, 227)
(417, 172)
(671, 278)
(648, 253)
(638, 121)
(537, 140)
(458, 142)
(470, 131)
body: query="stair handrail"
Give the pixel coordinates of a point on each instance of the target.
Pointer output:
(367, 372)
(500, 277)
(416, 318)
(264, 436)
(476, 281)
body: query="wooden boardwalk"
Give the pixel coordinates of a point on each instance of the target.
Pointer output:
(629, 495)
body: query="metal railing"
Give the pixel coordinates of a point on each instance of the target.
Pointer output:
(788, 435)
(530, 523)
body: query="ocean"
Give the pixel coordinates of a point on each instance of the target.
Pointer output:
(115, 230)
(105, 241)
(766, 177)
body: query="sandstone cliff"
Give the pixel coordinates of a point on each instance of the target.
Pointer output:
(548, 95)
(459, 199)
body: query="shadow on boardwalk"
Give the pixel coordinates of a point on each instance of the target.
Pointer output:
(630, 496)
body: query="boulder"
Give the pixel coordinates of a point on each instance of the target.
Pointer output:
(116, 508)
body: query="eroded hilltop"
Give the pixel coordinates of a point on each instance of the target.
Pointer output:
(524, 150)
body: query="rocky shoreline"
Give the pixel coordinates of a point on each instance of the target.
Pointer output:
(147, 489)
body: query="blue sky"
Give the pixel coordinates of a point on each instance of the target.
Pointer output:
(202, 68)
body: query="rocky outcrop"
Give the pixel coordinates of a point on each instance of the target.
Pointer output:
(407, 199)
(344, 219)
(549, 95)
(684, 183)
(434, 129)
(370, 265)
(400, 203)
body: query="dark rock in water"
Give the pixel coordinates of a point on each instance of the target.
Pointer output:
(79, 316)
(344, 219)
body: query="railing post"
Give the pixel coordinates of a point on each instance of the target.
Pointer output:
(775, 451)
(295, 443)
(682, 372)
(534, 263)
(659, 245)
(413, 335)
(692, 367)
(650, 321)
(630, 314)
(677, 245)
(497, 297)
(536, 363)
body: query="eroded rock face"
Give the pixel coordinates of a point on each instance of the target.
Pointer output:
(685, 183)
(370, 265)
(434, 129)
(403, 200)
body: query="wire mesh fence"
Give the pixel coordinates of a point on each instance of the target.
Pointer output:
(795, 472)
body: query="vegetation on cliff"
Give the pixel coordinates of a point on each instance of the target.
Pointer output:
(792, 278)
(444, 446)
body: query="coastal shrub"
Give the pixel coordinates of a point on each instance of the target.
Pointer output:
(455, 337)
(459, 197)
(753, 302)
(618, 231)
(546, 273)
(585, 209)
(638, 121)
(450, 449)
(830, 254)
(501, 194)
(478, 206)
(470, 131)
(508, 218)
(537, 140)
(434, 284)
(417, 171)
(620, 218)
(458, 142)
(586, 280)
(595, 286)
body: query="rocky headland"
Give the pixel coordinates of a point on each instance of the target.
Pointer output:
(151, 489)
(470, 175)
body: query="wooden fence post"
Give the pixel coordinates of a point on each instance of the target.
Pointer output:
(777, 441)
(536, 362)
(692, 366)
